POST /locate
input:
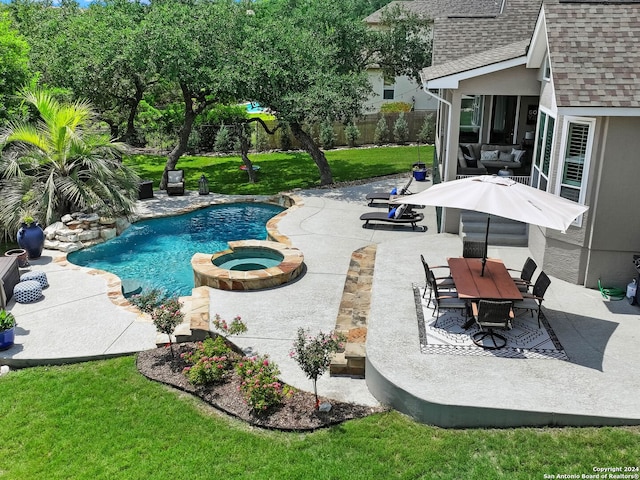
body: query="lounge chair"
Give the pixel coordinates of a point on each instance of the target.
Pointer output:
(175, 182)
(383, 197)
(404, 215)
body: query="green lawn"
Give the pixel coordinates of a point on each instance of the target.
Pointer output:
(104, 420)
(282, 171)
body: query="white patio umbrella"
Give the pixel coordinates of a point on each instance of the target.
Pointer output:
(500, 196)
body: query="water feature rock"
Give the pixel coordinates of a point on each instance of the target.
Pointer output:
(88, 235)
(51, 230)
(108, 233)
(66, 218)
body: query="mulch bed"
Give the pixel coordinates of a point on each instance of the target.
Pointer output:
(297, 412)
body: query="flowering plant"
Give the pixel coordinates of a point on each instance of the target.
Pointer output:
(210, 361)
(259, 383)
(167, 317)
(313, 354)
(236, 326)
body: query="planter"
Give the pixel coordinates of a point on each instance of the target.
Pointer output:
(420, 175)
(7, 338)
(31, 238)
(21, 254)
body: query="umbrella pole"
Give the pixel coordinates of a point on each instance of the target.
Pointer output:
(486, 245)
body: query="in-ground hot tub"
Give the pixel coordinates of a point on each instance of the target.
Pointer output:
(248, 265)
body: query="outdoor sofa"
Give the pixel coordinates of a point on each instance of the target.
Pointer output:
(480, 158)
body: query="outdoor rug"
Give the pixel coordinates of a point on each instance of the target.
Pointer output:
(524, 340)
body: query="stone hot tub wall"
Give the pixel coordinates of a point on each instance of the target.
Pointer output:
(80, 230)
(206, 273)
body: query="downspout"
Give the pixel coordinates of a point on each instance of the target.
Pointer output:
(440, 99)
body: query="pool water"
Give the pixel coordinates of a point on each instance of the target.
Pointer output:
(249, 259)
(157, 253)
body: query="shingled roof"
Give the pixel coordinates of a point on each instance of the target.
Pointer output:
(594, 52)
(456, 36)
(477, 60)
(433, 9)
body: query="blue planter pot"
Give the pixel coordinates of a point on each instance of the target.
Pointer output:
(31, 238)
(7, 338)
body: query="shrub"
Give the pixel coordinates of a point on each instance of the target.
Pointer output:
(351, 133)
(327, 135)
(285, 139)
(149, 300)
(209, 362)
(381, 134)
(259, 383)
(224, 140)
(236, 326)
(427, 131)
(395, 107)
(401, 130)
(313, 354)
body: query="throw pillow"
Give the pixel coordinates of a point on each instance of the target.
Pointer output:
(489, 155)
(392, 213)
(394, 191)
(518, 154)
(471, 162)
(472, 152)
(505, 157)
(400, 211)
(465, 150)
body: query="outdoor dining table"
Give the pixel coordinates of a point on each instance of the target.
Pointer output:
(495, 284)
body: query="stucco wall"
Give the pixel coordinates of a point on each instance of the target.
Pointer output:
(615, 197)
(405, 90)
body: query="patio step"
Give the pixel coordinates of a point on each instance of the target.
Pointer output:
(502, 231)
(353, 314)
(195, 326)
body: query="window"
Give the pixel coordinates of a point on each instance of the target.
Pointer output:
(546, 69)
(543, 150)
(575, 160)
(388, 90)
(471, 108)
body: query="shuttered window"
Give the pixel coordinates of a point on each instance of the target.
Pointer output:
(575, 160)
(575, 156)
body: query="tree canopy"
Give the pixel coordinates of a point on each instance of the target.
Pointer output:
(14, 67)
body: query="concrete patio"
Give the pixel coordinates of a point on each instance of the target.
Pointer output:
(82, 317)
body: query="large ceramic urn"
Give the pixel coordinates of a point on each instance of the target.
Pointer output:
(31, 238)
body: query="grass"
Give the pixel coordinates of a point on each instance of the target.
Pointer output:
(283, 171)
(103, 419)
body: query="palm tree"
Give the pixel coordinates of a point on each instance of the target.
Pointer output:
(60, 164)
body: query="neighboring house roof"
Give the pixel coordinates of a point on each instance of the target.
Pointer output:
(460, 36)
(594, 52)
(496, 56)
(441, 8)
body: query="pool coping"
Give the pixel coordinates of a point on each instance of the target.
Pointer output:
(289, 201)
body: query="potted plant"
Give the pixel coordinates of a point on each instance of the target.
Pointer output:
(31, 237)
(7, 329)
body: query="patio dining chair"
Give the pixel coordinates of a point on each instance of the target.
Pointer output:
(473, 249)
(526, 274)
(445, 283)
(533, 301)
(489, 315)
(448, 301)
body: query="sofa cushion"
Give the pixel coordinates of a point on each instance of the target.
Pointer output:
(473, 149)
(461, 159)
(489, 154)
(471, 162)
(505, 157)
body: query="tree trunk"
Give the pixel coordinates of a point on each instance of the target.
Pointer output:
(312, 149)
(185, 131)
(244, 151)
(130, 136)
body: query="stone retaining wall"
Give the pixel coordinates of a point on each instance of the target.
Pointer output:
(80, 230)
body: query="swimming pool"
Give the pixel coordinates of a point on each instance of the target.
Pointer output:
(157, 253)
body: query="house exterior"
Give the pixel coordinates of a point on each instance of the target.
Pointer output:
(562, 78)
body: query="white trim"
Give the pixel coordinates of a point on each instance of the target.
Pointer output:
(599, 111)
(453, 81)
(539, 42)
(549, 114)
(591, 123)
